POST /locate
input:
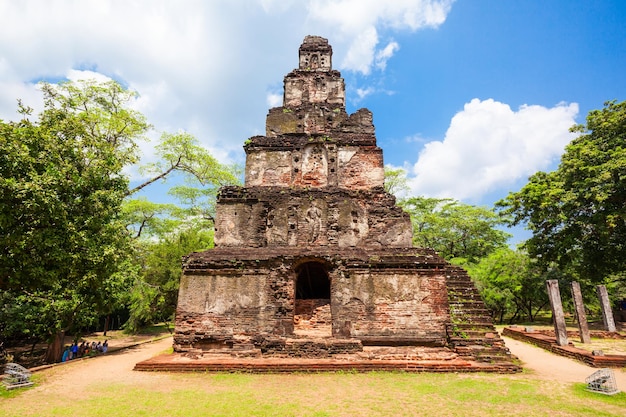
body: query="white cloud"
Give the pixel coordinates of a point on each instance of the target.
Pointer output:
(274, 100)
(359, 22)
(361, 52)
(86, 75)
(489, 146)
(205, 67)
(364, 92)
(385, 54)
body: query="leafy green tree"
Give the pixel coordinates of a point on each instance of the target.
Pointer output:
(395, 181)
(164, 233)
(154, 294)
(577, 213)
(182, 154)
(61, 191)
(511, 284)
(454, 229)
(67, 253)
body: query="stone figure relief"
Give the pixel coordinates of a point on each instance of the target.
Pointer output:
(314, 222)
(227, 233)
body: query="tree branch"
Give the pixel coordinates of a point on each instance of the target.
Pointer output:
(158, 177)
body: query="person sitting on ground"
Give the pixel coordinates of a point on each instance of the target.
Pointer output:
(66, 354)
(105, 346)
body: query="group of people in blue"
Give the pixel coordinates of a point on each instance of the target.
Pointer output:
(75, 351)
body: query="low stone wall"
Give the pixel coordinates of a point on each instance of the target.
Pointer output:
(575, 334)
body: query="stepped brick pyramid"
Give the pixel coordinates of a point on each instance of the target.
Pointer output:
(313, 266)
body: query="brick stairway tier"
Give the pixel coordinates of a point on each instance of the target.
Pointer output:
(471, 333)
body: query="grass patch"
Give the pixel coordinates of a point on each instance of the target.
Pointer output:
(5, 393)
(608, 346)
(326, 394)
(157, 329)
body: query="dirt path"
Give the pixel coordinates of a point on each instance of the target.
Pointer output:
(549, 366)
(118, 368)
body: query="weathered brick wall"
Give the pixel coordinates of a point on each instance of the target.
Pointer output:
(317, 164)
(306, 307)
(321, 87)
(275, 216)
(392, 305)
(229, 296)
(315, 53)
(226, 306)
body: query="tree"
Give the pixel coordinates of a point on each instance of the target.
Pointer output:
(395, 181)
(68, 255)
(61, 191)
(510, 283)
(154, 294)
(577, 213)
(164, 233)
(454, 229)
(181, 153)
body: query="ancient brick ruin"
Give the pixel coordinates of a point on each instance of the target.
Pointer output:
(313, 259)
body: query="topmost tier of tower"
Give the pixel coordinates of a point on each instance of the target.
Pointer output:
(314, 82)
(316, 54)
(314, 100)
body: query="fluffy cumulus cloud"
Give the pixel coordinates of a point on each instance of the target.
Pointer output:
(488, 146)
(204, 67)
(360, 21)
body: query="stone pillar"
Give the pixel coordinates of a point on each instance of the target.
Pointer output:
(581, 316)
(554, 295)
(607, 313)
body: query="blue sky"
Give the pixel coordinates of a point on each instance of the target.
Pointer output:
(470, 96)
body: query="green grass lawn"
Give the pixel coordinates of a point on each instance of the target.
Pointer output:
(326, 394)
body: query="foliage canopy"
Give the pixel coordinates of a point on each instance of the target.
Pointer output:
(454, 229)
(577, 213)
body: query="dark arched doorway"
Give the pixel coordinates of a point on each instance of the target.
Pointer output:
(312, 315)
(312, 281)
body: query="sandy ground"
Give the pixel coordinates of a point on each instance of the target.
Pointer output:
(118, 368)
(548, 366)
(108, 368)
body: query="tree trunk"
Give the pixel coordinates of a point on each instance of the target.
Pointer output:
(55, 348)
(106, 324)
(530, 312)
